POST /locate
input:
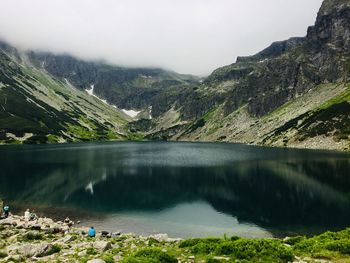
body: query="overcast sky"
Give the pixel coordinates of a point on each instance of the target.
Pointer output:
(188, 36)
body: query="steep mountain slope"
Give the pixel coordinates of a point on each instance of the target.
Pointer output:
(128, 88)
(35, 107)
(294, 93)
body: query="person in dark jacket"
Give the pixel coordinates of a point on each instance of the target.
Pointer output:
(6, 210)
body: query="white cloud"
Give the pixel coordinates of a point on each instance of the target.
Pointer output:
(189, 36)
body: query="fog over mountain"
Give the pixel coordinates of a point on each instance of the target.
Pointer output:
(188, 36)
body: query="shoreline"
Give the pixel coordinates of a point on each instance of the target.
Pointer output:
(291, 147)
(47, 240)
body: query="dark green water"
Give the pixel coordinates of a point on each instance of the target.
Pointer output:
(183, 189)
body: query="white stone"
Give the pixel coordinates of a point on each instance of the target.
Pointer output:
(160, 237)
(96, 260)
(82, 253)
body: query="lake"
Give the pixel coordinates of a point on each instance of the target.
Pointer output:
(183, 189)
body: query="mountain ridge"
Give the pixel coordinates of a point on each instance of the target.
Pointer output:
(281, 96)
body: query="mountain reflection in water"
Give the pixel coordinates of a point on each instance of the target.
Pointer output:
(270, 190)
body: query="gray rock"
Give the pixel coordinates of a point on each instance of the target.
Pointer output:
(117, 258)
(96, 260)
(68, 238)
(104, 233)
(37, 250)
(102, 245)
(116, 234)
(82, 253)
(160, 237)
(8, 222)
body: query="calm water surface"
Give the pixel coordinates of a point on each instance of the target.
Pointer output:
(183, 189)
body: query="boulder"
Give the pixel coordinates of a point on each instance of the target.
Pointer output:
(82, 253)
(36, 250)
(68, 238)
(160, 237)
(116, 234)
(102, 245)
(10, 221)
(104, 233)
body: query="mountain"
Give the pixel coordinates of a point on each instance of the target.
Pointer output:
(128, 88)
(293, 93)
(36, 107)
(59, 98)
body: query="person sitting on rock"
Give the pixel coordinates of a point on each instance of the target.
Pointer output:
(27, 215)
(92, 232)
(33, 216)
(6, 211)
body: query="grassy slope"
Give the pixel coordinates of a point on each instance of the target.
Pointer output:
(318, 119)
(36, 108)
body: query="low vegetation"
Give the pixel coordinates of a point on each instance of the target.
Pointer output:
(75, 246)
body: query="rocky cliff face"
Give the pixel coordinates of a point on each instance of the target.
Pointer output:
(288, 69)
(130, 88)
(280, 78)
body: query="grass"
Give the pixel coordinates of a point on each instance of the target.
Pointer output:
(265, 250)
(54, 249)
(30, 236)
(331, 246)
(151, 255)
(135, 136)
(345, 96)
(3, 254)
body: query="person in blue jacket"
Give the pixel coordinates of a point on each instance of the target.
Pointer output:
(92, 232)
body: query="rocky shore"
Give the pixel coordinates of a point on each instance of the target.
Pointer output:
(46, 240)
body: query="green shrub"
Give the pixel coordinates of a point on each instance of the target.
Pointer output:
(54, 249)
(204, 248)
(306, 246)
(294, 240)
(108, 259)
(3, 254)
(30, 236)
(91, 251)
(342, 246)
(213, 260)
(189, 242)
(252, 249)
(151, 255)
(194, 241)
(234, 238)
(153, 241)
(328, 241)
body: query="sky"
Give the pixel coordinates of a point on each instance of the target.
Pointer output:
(187, 36)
